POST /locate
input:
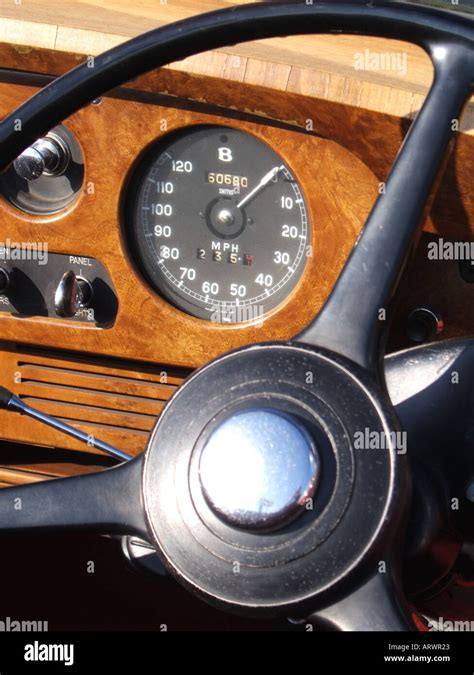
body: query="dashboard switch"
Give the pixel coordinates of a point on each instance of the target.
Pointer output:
(424, 324)
(4, 280)
(49, 156)
(72, 294)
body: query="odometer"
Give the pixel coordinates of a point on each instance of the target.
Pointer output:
(218, 223)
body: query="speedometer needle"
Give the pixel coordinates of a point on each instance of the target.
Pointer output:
(268, 177)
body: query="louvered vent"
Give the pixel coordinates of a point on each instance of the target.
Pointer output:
(111, 400)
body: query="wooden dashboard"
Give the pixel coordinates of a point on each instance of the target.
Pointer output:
(113, 381)
(339, 189)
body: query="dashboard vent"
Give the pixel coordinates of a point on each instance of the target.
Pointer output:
(115, 401)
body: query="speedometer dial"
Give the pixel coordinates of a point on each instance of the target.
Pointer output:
(219, 224)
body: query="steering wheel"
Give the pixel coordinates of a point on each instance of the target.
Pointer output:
(255, 487)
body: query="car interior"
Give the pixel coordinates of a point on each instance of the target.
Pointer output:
(237, 315)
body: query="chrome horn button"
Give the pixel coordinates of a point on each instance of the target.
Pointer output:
(269, 567)
(258, 469)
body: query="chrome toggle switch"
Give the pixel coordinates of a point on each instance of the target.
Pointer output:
(72, 294)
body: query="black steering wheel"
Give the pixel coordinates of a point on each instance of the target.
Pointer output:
(332, 539)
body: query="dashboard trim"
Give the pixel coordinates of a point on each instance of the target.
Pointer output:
(339, 191)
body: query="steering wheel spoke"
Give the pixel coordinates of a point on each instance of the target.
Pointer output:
(354, 316)
(375, 605)
(108, 502)
(431, 389)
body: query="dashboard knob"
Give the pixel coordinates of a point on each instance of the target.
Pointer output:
(48, 156)
(424, 324)
(4, 280)
(72, 294)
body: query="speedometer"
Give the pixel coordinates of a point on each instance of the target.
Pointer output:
(218, 223)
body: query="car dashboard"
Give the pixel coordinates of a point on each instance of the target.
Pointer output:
(177, 262)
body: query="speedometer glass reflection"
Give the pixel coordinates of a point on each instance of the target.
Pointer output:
(219, 224)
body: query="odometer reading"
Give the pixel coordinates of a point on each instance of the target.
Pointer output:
(219, 224)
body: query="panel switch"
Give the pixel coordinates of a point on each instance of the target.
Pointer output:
(72, 294)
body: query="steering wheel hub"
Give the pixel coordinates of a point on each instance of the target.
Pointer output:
(266, 481)
(259, 469)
